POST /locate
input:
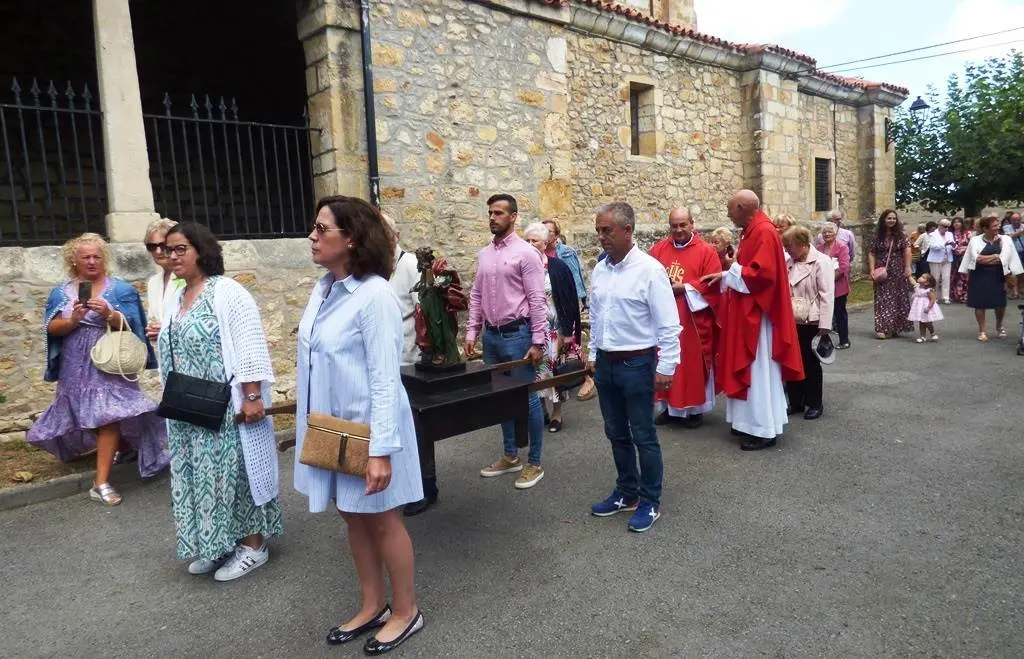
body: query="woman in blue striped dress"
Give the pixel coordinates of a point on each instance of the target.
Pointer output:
(349, 353)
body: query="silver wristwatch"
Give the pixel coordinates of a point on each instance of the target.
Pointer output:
(253, 397)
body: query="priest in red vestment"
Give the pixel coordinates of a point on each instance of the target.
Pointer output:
(759, 349)
(687, 258)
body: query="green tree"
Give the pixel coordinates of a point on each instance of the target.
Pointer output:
(967, 151)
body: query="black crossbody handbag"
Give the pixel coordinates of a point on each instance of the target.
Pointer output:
(193, 400)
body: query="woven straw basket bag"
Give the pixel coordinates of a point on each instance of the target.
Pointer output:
(120, 353)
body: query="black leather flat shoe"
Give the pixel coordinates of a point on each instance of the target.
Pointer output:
(337, 635)
(693, 421)
(662, 419)
(757, 444)
(373, 647)
(417, 507)
(813, 413)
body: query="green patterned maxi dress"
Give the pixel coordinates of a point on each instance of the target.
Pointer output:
(213, 507)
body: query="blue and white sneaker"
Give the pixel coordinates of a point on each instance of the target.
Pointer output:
(644, 518)
(617, 502)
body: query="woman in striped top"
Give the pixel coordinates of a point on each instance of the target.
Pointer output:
(349, 354)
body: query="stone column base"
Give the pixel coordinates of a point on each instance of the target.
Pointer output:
(129, 226)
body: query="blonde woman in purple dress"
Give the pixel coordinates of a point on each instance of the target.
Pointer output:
(92, 409)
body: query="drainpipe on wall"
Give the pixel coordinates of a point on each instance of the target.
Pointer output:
(368, 109)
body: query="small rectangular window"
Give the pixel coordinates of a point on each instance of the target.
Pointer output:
(642, 123)
(822, 184)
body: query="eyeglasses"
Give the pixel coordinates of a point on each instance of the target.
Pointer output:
(155, 247)
(176, 249)
(322, 228)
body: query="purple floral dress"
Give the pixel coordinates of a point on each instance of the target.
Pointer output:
(87, 399)
(892, 296)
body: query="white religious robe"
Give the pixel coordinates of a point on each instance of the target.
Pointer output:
(763, 413)
(696, 302)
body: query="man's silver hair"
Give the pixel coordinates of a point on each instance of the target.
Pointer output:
(681, 209)
(835, 215)
(620, 212)
(538, 229)
(390, 222)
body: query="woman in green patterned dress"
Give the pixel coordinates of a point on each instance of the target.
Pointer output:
(223, 483)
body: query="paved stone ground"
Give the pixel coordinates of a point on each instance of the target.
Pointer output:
(891, 527)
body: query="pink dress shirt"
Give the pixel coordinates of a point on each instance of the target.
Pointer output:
(509, 285)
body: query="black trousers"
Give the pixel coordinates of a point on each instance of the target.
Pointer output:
(841, 319)
(806, 392)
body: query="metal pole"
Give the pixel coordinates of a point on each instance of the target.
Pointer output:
(371, 120)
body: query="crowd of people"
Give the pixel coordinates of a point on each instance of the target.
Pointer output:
(671, 330)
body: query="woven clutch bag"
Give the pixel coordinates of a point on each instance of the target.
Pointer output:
(336, 445)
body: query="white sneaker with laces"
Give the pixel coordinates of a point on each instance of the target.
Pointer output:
(205, 565)
(243, 561)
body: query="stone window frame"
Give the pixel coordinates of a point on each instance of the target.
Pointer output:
(812, 177)
(649, 85)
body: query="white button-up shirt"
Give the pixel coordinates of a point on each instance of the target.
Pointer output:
(632, 307)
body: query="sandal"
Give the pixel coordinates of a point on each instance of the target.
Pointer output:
(983, 337)
(585, 392)
(880, 336)
(1000, 332)
(105, 494)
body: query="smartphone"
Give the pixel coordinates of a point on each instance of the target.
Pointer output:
(84, 291)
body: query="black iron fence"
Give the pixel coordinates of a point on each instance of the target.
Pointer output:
(241, 178)
(51, 165)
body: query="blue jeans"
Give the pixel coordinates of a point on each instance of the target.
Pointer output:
(625, 390)
(511, 346)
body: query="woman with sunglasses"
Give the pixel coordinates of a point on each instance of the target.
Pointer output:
(163, 283)
(349, 355)
(224, 481)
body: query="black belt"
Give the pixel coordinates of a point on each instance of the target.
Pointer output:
(510, 326)
(623, 355)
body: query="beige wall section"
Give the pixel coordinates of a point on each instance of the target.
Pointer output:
(329, 31)
(772, 165)
(698, 118)
(877, 165)
(829, 134)
(129, 191)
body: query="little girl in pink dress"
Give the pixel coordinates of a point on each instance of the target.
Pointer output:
(923, 308)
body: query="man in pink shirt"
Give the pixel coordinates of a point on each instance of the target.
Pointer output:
(508, 309)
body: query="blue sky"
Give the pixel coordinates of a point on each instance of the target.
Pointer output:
(834, 31)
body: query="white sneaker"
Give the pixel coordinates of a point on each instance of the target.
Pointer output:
(205, 565)
(245, 560)
(935, 337)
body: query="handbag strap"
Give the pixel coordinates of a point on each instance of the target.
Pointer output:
(122, 328)
(892, 243)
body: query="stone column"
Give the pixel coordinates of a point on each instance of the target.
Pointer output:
(771, 159)
(129, 191)
(877, 166)
(329, 31)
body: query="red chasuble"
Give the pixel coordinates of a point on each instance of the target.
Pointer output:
(766, 276)
(698, 339)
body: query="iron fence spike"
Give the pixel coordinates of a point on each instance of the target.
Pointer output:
(70, 92)
(34, 90)
(167, 104)
(234, 108)
(15, 87)
(51, 91)
(86, 94)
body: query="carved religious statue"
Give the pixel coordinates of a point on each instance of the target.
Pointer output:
(440, 300)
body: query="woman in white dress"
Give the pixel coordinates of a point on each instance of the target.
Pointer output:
(349, 354)
(163, 284)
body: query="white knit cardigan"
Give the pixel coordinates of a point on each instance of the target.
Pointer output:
(246, 359)
(1007, 255)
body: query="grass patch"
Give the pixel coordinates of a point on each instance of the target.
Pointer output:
(19, 456)
(861, 291)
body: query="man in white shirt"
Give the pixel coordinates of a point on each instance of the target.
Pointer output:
(634, 351)
(402, 280)
(845, 236)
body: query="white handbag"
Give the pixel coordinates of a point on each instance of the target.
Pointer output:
(120, 353)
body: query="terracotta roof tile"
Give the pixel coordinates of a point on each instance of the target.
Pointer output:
(642, 17)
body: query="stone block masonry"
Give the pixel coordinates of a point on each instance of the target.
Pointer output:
(278, 273)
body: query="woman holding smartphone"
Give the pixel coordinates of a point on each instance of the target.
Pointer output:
(92, 409)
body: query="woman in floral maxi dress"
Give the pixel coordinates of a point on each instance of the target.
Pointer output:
(958, 281)
(890, 249)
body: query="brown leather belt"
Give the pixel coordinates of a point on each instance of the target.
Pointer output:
(623, 355)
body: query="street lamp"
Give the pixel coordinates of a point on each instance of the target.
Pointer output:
(918, 105)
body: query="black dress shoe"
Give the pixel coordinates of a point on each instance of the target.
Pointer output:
(337, 635)
(662, 419)
(812, 413)
(373, 647)
(757, 444)
(417, 507)
(693, 421)
(790, 411)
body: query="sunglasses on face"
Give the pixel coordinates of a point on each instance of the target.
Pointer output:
(322, 228)
(154, 247)
(176, 249)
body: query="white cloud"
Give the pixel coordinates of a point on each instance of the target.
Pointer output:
(766, 21)
(973, 17)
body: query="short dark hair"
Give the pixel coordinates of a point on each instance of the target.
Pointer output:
(987, 221)
(513, 206)
(373, 247)
(209, 256)
(931, 224)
